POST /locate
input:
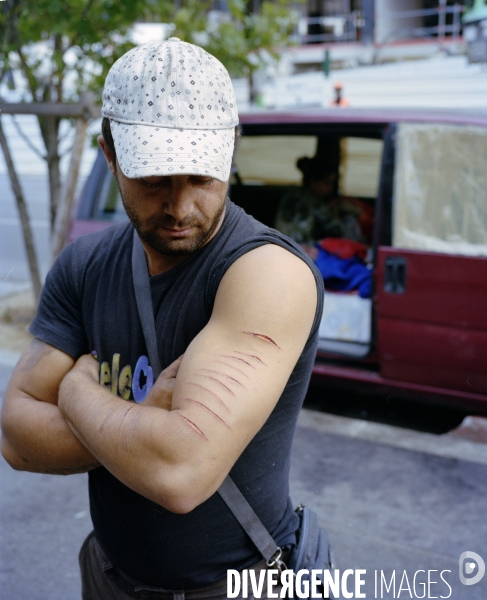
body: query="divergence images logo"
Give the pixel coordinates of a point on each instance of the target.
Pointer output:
(469, 567)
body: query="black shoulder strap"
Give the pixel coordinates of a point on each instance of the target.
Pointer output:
(229, 492)
(144, 303)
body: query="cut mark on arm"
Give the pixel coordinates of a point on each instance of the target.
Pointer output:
(191, 425)
(227, 377)
(127, 440)
(219, 400)
(263, 338)
(251, 356)
(102, 425)
(125, 414)
(239, 359)
(123, 439)
(209, 409)
(221, 362)
(217, 381)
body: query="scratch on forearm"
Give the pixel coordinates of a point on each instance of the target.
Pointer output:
(124, 439)
(103, 423)
(251, 356)
(191, 425)
(209, 410)
(227, 377)
(239, 359)
(217, 381)
(219, 400)
(221, 362)
(127, 439)
(263, 338)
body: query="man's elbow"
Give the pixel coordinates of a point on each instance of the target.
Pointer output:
(180, 505)
(12, 457)
(182, 495)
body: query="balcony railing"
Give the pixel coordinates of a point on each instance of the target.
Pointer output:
(348, 27)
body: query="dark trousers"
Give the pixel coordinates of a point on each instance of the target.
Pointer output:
(101, 580)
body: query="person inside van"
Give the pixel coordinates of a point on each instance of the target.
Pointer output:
(315, 210)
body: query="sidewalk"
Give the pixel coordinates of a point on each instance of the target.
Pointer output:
(16, 312)
(394, 499)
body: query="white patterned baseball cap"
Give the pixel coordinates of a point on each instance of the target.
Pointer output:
(172, 111)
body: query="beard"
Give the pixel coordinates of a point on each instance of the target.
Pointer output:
(149, 230)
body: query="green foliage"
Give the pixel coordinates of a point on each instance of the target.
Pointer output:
(64, 46)
(241, 41)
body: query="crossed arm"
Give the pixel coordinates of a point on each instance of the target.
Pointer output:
(228, 383)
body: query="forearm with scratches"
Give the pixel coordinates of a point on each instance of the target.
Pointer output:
(209, 410)
(217, 381)
(241, 360)
(192, 426)
(221, 362)
(215, 376)
(251, 356)
(224, 375)
(212, 394)
(124, 439)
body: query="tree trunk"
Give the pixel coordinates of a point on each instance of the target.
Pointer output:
(49, 130)
(66, 201)
(252, 90)
(24, 218)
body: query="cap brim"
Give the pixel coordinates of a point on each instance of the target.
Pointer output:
(148, 150)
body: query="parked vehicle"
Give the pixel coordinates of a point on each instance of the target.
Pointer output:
(422, 331)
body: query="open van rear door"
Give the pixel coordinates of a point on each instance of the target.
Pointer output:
(431, 285)
(432, 319)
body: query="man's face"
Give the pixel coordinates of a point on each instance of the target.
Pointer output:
(175, 215)
(324, 187)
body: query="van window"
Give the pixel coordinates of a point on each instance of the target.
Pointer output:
(360, 166)
(271, 159)
(440, 189)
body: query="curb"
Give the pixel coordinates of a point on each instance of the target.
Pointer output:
(446, 446)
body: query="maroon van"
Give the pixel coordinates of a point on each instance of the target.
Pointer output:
(411, 320)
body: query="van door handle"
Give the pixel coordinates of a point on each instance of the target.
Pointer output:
(395, 275)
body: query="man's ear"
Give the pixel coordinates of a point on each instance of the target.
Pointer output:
(108, 154)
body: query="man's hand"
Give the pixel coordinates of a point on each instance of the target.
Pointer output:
(88, 365)
(162, 390)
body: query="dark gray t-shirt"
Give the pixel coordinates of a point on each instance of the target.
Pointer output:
(87, 304)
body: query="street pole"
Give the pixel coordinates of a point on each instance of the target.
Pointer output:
(368, 12)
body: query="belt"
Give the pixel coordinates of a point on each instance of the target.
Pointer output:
(141, 591)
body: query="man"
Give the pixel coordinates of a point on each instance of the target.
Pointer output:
(237, 309)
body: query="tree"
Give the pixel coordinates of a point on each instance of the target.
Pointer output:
(242, 42)
(60, 48)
